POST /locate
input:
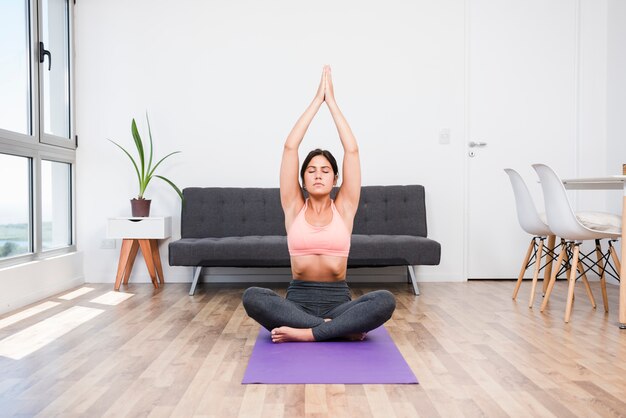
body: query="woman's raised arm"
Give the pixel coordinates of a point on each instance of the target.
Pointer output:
(350, 191)
(290, 193)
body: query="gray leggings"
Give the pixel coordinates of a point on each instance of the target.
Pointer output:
(309, 303)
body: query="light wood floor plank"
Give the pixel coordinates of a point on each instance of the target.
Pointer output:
(253, 398)
(31, 339)
(76, 293)
(379, 401)
(26, 313)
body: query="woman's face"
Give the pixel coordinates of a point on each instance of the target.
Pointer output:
(319, 177)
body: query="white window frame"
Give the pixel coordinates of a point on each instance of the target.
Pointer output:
(39, 146)
(49, 138)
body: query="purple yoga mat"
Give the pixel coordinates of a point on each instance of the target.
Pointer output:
(374, 360)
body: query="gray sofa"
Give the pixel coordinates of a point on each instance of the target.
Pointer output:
(245, 227)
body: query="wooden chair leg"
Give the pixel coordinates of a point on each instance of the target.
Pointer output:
(147, 255)
(559, 261)
(123, 262)
(572, 283)
(605, 299)
(156, 257)
(131, 260)
(536, 275)
(547, 273)
(615, 258)
(568, 263)
(581, 268)
(523, 270)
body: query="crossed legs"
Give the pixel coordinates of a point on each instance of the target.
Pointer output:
(290, 322)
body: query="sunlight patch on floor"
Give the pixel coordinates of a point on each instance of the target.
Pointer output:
(76, 293)
(31, 339)
(112, 298)
(27, 313)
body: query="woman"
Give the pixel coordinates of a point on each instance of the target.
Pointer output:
(318, 306)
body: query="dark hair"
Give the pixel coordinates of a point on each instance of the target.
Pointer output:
(315, 153)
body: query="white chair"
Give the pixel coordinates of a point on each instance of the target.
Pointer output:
(575, 228)
(534, 224)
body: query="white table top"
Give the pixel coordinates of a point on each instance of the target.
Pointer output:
(596, 183)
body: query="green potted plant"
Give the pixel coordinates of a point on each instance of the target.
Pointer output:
(140, 206)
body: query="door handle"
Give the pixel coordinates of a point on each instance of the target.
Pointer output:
(42, 53)
(473, 144)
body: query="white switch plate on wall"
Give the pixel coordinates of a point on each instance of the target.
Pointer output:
(444, 136)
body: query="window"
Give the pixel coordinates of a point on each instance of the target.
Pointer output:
(15, 221)
(37, 139)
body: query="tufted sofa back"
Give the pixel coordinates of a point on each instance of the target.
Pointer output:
(391, 210)
(227, 212)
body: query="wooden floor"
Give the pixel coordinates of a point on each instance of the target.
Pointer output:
(474, 350)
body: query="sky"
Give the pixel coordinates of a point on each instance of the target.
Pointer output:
(14, 68)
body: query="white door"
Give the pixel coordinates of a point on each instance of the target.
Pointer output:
(522, 104)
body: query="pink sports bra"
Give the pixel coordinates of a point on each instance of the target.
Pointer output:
(306, 239)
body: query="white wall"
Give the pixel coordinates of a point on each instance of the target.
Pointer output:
(616, 96)
(592, 89)
(616, 92)
(225, 81)
(36, 280)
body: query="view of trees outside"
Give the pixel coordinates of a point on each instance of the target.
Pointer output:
(14, 239)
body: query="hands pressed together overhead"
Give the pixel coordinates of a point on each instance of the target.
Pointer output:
(325, 91)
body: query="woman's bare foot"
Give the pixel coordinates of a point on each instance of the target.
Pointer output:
(287, 334)
(357, 336)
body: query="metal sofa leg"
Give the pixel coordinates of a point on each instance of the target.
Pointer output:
(196, 274)
(413, 280)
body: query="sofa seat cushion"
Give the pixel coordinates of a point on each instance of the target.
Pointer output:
(393, 250)
(271, 251)
(249, 251)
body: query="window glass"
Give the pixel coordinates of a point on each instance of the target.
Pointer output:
(15, 225)
(55, 68)
(15, 87)
(55, 205)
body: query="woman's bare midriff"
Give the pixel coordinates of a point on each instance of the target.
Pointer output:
(319, 268)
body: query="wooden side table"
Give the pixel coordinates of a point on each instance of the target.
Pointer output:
(139, 233)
